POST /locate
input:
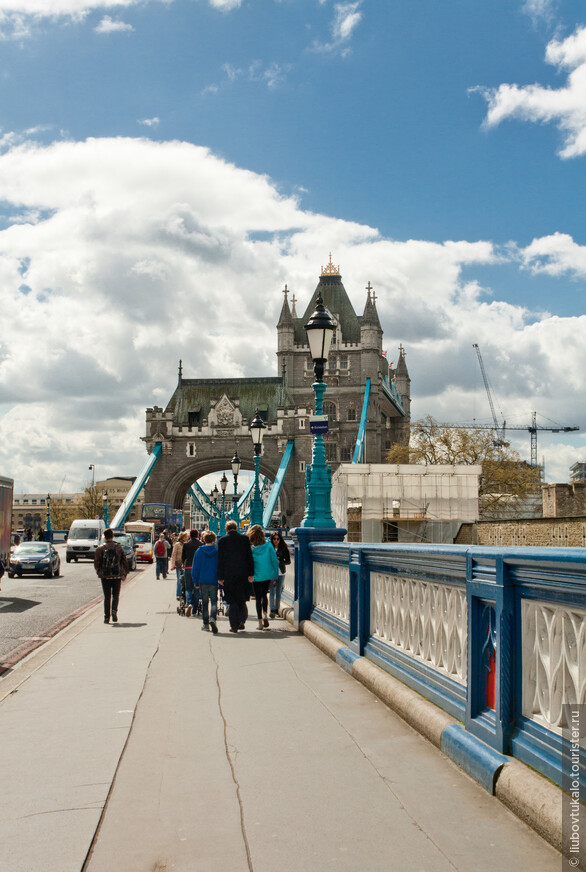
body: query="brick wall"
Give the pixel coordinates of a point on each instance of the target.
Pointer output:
(569, 532)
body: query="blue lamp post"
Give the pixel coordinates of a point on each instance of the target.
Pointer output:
(106, 511)
(257, 428)
(223, 485)
(318, 476)
(49, 525)
(214, 526)
(236, 464)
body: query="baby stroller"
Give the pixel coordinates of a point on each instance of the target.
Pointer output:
(183, 607)
(182, 604)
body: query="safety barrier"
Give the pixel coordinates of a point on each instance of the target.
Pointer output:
(496, 637)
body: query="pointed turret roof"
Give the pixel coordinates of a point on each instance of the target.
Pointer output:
(370, 315)
(285, 318)
(401, 368)
(336, 301)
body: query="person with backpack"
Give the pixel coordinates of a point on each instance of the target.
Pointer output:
(161, 556)
(112, 567)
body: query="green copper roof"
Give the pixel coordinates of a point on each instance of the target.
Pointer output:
(197, 395)
(337, 301)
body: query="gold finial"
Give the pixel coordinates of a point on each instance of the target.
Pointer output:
(330, 269)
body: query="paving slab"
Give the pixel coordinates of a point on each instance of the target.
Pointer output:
(156, 746)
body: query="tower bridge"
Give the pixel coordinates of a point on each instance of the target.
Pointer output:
(205, 420)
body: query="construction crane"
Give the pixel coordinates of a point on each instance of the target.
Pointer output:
(531, 428)
(499, 431)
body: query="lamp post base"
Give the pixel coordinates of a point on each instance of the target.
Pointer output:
(303, 537)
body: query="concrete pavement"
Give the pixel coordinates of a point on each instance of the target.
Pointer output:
(154, 746)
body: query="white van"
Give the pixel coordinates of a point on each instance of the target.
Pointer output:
(143, 534)
(83, 539)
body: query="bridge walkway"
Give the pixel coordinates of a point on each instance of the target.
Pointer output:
(151, 745)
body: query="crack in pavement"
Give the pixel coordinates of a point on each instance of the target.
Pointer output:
(355, 741)
(231, 763)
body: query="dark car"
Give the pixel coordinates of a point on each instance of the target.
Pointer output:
(127, 542)
(39, 558)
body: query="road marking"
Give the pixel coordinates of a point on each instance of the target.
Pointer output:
(6, 603)
(34, 638)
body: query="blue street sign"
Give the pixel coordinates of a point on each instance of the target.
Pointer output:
(318, 424)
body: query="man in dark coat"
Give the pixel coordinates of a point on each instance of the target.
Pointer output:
(235, 572)
(112, 567)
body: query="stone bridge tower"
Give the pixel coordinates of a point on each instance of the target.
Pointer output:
(206, 418)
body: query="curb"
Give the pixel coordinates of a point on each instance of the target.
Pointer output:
(530, 796)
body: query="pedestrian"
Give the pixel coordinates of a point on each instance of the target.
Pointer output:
(266, 570)
(161, 556)
(189, 549)
(284, 559)
(204, 574)
(235, 573)
(112, 567)
(177, 560)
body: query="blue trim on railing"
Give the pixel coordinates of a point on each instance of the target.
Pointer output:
(473, 756)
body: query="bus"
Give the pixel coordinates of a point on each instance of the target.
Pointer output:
(163, 516)
(143, 536)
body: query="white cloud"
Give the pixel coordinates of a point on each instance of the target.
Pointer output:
(347, 16)
(17, 17)
(150, 122)
(540, 10)
(112, 25)
(565, 106)
(114, 242)
(555, 255)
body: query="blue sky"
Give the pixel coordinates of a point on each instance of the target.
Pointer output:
(156, 154)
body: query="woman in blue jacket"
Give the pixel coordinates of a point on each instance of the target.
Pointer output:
(266, 569)
(204, 573)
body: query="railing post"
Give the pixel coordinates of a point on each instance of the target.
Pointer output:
(359, 580)
(303, 537)
(491, 656)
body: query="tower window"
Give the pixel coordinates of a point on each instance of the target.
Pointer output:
(193, 419)
(351, 414)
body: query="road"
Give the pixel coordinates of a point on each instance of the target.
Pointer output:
(33, 608)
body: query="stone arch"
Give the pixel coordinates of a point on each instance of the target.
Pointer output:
(177, 484)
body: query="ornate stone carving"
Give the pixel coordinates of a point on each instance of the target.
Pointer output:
(331, 589)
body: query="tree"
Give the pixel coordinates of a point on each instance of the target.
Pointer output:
(91, 504)
(62, 513)
(506, 480)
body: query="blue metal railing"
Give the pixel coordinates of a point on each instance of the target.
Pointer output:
(484, 633)
(132, 495)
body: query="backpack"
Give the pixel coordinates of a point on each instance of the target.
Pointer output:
(111, 565)
(160, 549)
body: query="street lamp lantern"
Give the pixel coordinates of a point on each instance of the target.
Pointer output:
(257, 428)
(224, 482)
(320, 332)
(236, 464)
(215, 493)
(318, 475)
(223, 485)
